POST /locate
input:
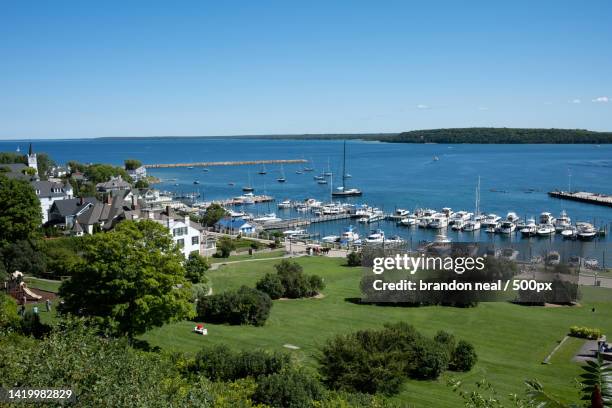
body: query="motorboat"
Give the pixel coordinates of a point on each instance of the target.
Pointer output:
(283, 205)
(394, 239)
(529, 228)
(424, 221)
(585, 230)
(322, 181)
(319, 178)
(447, 211)
(438, 221)
(472, 225)
(408, 221)
(294, 232)
(563, 222)
(330, 239)
(349, 234)
(270, 217)
(507, 227)
(247, 198)
(493, 228)
(248, 189)
(372, 215)
(547, 218)
(460, 216)
(569, 233)
(312, 203)
(377, 235)
(458, 224)
(512, 217)
(331, 209)
(491, 220)
(349, 192)
(400, 212)
(545, 230)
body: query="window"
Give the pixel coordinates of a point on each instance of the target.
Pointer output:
(177, 232)
(195, 240)
(180, 243)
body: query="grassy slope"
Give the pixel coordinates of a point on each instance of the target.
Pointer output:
(242, 257)
(511, 341)
(42, 284)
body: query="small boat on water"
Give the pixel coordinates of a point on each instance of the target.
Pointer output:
(190, 168)
(282, 178)
(349, 235)
(263, 170)
(249, 187)
(569, 233)
(529, 228)
(507, 227)
(408, 221)
(372, 215)
(196, 182)
(545, 230)
(512, 217)
(472, 225)
(343, 191)
(247, 198)
(586, 231)
(375, 236)
(205, 170)
(299, 172)
(231, 183)
(438, 221)
(491, 220)
(283, 205)
(330, 239)
(270, 217)
(322, 181)
(436, 158)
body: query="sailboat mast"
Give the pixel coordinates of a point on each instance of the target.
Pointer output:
(344, 166)
(478, 198)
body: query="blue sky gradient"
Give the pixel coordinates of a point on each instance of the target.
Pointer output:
(130, 68)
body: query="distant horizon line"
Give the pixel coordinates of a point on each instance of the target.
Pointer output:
(354, 135)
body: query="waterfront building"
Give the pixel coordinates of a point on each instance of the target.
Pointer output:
(231, 225)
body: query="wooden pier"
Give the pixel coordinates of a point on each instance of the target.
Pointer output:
(225, 163)
(584, 197)
(302, 222)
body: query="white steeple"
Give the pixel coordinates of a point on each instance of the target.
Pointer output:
(32, 161)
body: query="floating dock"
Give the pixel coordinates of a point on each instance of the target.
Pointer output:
(584, 197)
(302, 222)
(224, 163)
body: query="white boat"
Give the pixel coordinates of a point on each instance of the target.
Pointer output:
(458, 225)
(331, 209)
(441, 239)
(545, 230)
(547, 218)
(372, 215)
(281, 178)
(529, 228)
(563, 222)
(400, 212)
(313, 203)
(376, 236)
(294, 232)
(460, 216)
(447, 211)
(349, 235)
(585, 230)
(283, 205)
(492, 229)
(512, 217)
(438, 221)
(408, 221)
(569, 233)
(322, 181)
(507, 227)
(248, 198)
(270, 217)
(330, 239)
(472, 225)
(491, 220)
(424, 221)
(394, 239)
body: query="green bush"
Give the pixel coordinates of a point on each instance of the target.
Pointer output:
(353, 259)
(9, 319)
(243, 306)
(288, 389)
(585, 332)
(196, 267)
(32, 326)
(272, 285)
(294, 283)
(199, 291)
(464, 357)
(225, 246)
(219, 363)
(429, 360)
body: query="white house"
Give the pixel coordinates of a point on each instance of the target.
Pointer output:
(49, 192)
(138, 174)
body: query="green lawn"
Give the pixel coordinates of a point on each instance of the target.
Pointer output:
(511, 340)
(42, 284)
(245, 256)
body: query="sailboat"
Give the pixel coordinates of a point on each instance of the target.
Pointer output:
(282, 178)
(249, 187)
(328, 173)
(308, 168)
(474, 224)
(263, 170)
(18, 149)
(342, 191)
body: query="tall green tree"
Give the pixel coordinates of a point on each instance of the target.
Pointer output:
(20, 213)
(213, 214)
(130, 280)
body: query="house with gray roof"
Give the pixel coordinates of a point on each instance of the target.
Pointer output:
(49, 192)
(114, 184)
(16, 171)
(63, 213)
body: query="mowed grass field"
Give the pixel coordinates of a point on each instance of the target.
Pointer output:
(511, 340)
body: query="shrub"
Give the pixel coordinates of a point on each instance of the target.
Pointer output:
(32, 326)
(225, 246)
(196, 267)
(244, 306)
(446, 340)
(429, 360)
(585, 332)
(288, 389)
(353, 259)
(294, 283)
(199, 291)
(272, 285)
(9, 319)
(219, 363)
(464, 357)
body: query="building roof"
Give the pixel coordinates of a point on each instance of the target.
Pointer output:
(50, 189)
(233, 223)
(16, 171)
(115, 183)
(72, 206)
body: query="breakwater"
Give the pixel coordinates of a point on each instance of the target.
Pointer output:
(584, 197)
(225, 163)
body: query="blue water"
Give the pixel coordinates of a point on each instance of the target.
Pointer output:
(390, 175)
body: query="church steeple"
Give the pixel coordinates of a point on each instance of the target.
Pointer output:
(32, 160)
(30, 150)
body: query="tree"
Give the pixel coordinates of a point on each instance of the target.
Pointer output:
(288, 389)
(130, 280)
(243, 306)
(196, 267)
(353, 259)
(44, 163)
(225, 246)
(463, 357)
(213, 214)
(132, 164)
(272, 285)
(24, 256)
(20, 213)
(142, 183)
(9, 319)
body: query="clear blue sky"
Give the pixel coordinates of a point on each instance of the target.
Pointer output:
(88, 69)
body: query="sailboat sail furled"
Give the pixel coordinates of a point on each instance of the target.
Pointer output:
(343, 191)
